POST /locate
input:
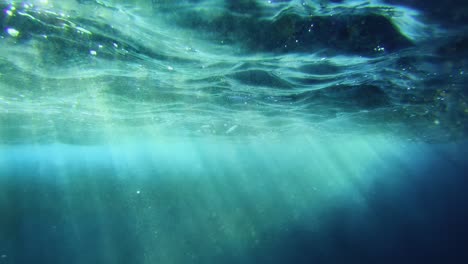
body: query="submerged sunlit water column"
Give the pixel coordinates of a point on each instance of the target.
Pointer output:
(215, 131)
(210, 201)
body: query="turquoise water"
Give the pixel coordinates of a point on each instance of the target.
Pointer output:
(350, 200)
(232, 132)
(85, 72)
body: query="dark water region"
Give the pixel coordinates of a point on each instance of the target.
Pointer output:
(222, 131)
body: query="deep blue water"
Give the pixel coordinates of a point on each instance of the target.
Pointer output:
(222, 131)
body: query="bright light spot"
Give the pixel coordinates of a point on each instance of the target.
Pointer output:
(9, 12)
(378, 48)
(170, 68)
(231, 129)
(436, 122)
(12, 32)
(115, 45)
(138, 192)
(93, 52)
(82, 30)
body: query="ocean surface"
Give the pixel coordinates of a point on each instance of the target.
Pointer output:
(223, 131)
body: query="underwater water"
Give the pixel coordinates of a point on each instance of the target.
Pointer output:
(222, 131)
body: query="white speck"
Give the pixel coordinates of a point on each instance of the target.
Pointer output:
(436, 122)
(4, 256)
(93, 52)
(115, 45)
(170, 68)
(379, 48)
(8, 12)
(138, 192)
(12, 32)
(231, 129)
(100, 46)
(461, 72)
(297, 40)
(82, 30)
